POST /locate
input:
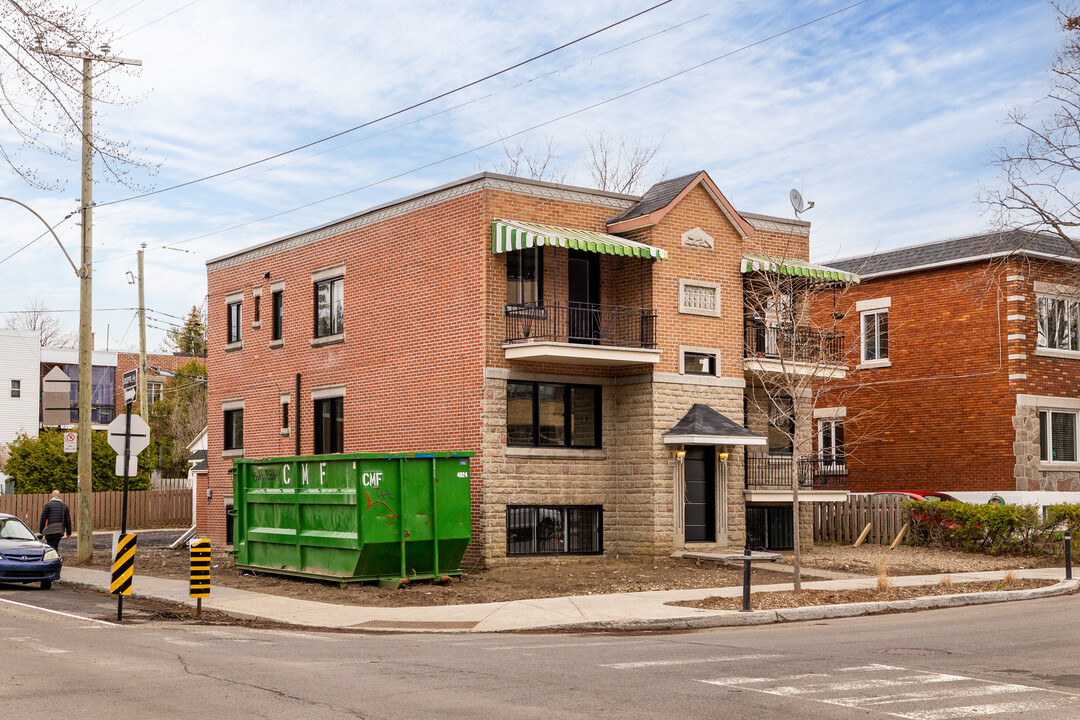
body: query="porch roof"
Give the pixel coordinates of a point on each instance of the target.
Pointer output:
(799, 268)
(507, 235)
(702, 425)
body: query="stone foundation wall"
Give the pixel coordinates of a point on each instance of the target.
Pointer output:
(1028, 471)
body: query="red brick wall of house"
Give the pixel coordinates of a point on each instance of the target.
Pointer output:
(940, 417)
(1049, 376)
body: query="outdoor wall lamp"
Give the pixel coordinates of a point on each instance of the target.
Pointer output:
(209, 493)
(680, 454)
(722, 456)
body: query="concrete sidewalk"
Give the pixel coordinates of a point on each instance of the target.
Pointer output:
(623, 611)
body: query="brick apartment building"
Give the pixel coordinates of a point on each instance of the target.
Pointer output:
(588, 346)
(969, 377)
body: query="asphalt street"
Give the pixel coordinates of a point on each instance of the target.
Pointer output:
(1000, 661)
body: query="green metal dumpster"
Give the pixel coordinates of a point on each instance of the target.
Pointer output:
(353, 517)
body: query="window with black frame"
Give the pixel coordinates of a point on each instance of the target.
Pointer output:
(553, 415)
(233, 322)
(329, 425)
(329, 307)
(554, 530)
(234, 429)
(277, 310)
(524, 276)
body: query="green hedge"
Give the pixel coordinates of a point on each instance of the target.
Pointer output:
(993, 529)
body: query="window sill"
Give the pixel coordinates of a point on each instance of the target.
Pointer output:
(556, 452)
(873, 364)
(284, 432)
(231, 347)
(256, 325)
(328, 340)
(1054, 352)
(237, 453)
(695, 311)
(275, 344)
(1046, 466)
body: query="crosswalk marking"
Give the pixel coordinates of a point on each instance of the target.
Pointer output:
(693, 661)
(944, 690)
(982, 710)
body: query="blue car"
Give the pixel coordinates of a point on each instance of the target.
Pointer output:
(24, 558)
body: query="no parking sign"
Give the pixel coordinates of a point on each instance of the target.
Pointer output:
(70, 441)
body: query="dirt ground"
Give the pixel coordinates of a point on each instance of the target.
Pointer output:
(782, 600)
(549, 577)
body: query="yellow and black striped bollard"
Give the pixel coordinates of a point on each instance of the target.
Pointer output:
(200, 572)
(122, 570)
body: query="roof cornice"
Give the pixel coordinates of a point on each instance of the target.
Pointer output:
(427, 198)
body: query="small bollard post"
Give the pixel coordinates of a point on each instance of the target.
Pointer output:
(1068, 555)
(746, 581)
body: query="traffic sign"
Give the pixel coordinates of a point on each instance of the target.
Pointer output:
(199, 586)
(71, 441)
(140, 434)
(131, 386)
(132, 468)
(123, 565)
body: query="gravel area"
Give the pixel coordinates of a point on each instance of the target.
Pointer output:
(911, 560)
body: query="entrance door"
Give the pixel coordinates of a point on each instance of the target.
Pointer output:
(583, 294)
(699, 467)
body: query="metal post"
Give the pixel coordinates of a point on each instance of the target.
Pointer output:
(85, 548)
(123, 510)
(296, 423)
(1068, 555)
(144, 404)
(746, 581)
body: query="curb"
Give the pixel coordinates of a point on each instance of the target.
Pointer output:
(732, 618)
(716, 619)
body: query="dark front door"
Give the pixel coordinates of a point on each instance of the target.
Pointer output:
(699, 468)
(583, 294)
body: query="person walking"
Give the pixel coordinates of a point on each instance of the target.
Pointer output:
(55, 521)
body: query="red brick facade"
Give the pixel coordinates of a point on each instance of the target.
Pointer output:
(125, 362)
(423, 361)
(946, 414)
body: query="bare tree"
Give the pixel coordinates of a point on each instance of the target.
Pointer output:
(36, 316)
(621, 166)
(1040, 162)
(41, 93)
(798, 360)
(539, 164)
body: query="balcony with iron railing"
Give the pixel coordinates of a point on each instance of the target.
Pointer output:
(780, 347)
(580, 332)
(777, 472)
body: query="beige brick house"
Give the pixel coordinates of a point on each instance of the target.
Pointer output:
(590, 347)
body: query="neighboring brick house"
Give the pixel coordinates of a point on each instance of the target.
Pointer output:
(155, 380)
(969, 377)
(588, 346)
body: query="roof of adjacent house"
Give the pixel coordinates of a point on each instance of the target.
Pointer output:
(655, 198)
(197, 460)
(957, 250)
(701, 421)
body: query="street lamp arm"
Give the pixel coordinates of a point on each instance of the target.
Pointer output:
(49, 227)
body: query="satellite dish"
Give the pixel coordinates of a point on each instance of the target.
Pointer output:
(798, 203)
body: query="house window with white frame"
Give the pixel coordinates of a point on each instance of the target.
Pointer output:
(1058, 323)
(1057, 436)
(875, 335)
(831, 441)
(16, 388)
(154, 392)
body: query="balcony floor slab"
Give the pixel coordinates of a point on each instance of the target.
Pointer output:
(580, 354)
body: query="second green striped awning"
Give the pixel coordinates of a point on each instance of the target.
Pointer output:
(799, 268)
(507, 235)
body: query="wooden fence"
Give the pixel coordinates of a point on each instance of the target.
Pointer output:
(842, 521)
(146, 508)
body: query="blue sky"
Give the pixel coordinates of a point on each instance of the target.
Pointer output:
(885, 115)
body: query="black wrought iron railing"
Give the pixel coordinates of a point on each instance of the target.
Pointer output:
(582, 323)
(797, 344)
(776, 471)
(554, 530)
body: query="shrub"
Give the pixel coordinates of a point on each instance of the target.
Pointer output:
(40, 465)
(980, 528)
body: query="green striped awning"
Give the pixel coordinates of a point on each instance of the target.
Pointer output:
(799, 268)
(507, 235)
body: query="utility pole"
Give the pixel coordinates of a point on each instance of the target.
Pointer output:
(144, 404)
(83, 448)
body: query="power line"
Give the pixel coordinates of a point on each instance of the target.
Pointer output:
(391, 114)
(141, 27)
(545, 123)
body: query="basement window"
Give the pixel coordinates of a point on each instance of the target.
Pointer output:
(554, 530)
